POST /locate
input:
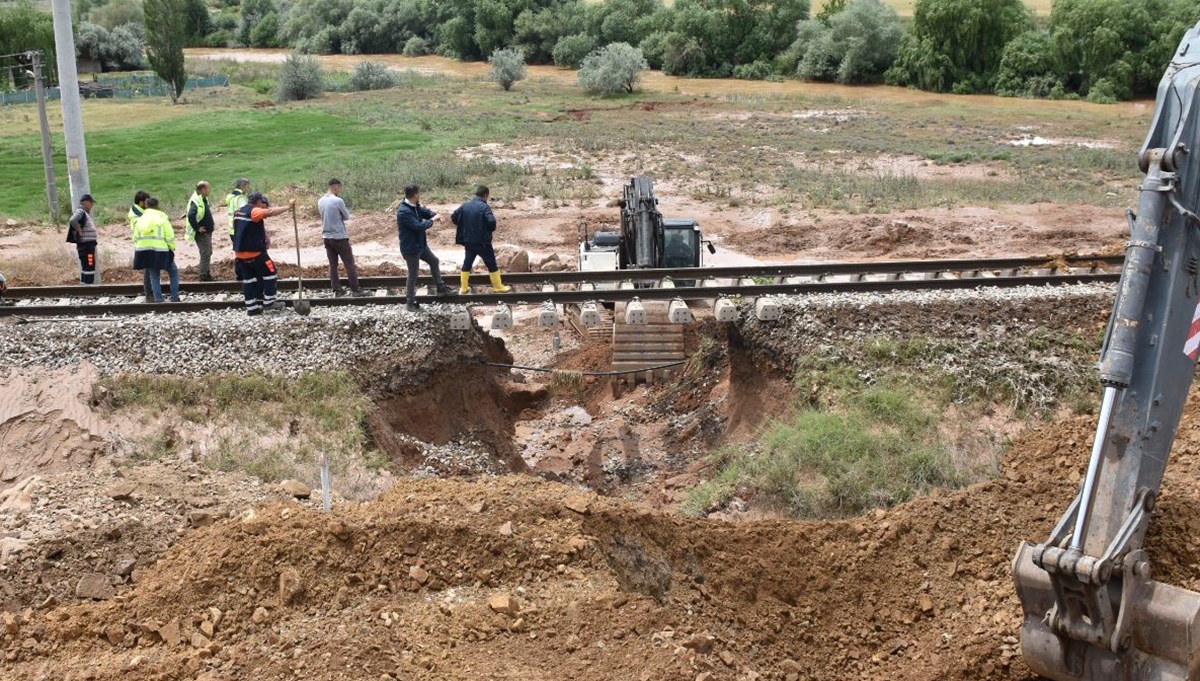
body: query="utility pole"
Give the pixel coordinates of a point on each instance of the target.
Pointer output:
(47, 159)
(68, 85)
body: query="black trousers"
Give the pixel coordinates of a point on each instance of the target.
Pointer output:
(87, 262)
(483, 251)
(258, 277)
(413, 262)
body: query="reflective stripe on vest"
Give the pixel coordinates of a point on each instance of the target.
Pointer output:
(235, 200)
(150, 232)
(199, 203)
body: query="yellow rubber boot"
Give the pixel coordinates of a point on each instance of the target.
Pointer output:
(498, 285)
(465, 286)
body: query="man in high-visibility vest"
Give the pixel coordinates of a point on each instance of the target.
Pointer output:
(252, 265)
(154, 249)
(135, 211)
(236, 199)
(200, 227)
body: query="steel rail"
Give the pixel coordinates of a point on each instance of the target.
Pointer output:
(574, 277)
(560, 297)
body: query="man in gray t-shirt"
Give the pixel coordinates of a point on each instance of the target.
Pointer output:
(337, 240)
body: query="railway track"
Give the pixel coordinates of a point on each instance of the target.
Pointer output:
(753, 281)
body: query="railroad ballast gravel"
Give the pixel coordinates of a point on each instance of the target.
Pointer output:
(196, 343)
(349, 337)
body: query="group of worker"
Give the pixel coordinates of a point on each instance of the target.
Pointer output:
(154, 242)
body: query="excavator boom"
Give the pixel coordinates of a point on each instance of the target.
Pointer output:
(1092, 610)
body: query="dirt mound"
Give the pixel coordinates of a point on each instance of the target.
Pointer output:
(46, 423)
(54, 529)
(1036, 229)
(520, 578)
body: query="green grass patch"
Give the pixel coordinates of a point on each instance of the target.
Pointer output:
(313, 413)
(271, 146)
(855, 447)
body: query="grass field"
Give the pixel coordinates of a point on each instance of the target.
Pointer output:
(786, 145)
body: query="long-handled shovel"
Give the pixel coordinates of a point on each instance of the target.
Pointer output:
(301, 304)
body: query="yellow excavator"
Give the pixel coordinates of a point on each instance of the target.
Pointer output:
(1092, 609)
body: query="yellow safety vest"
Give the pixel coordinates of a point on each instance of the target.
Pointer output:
(153, 232)
(236, 199)
(199, 203)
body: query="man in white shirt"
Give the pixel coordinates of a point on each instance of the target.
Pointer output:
(337, 240)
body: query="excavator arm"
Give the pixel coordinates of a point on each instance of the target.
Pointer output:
(1091, 607)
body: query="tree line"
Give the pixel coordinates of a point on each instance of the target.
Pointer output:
(1104, 50)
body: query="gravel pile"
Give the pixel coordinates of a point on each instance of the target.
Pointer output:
(214, 341)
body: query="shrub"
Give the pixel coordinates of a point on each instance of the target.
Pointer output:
(612, 69)
(955, 45)
(1028, 67)
(855, 45)
(508, 67)
(570, 51)
(372, 75)
(266, 32)
(300, 78)
(416, 46)
(757, 70)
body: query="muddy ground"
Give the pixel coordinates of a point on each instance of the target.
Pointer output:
(517, 578)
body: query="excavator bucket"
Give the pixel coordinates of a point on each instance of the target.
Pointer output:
(1161, 642)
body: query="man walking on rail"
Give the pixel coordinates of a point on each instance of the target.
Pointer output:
(337, 240)
(81, 231)
(135, 211)
(200, 227)
(154, 250)
(252, 264)
(412, 221)
(236, 199)
(475, 223)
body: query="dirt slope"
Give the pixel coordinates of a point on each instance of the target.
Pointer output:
(409, 587)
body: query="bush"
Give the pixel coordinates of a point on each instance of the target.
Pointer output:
(266, 32)
(569, 51)
(372, 75)
(758, 70)
(300, 78)
(683, 56)
(612, 69)
(956, 45)
(508, 67)
(1028, 67)
(416, 46)
(855, 45)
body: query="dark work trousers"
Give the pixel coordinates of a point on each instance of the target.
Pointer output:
(204, 245)
(87, 262)
(414, 269)
(483, 251)
(258, 277)
(340, 248)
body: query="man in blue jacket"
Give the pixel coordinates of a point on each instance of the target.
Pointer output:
(476, 222)
(412, 221)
